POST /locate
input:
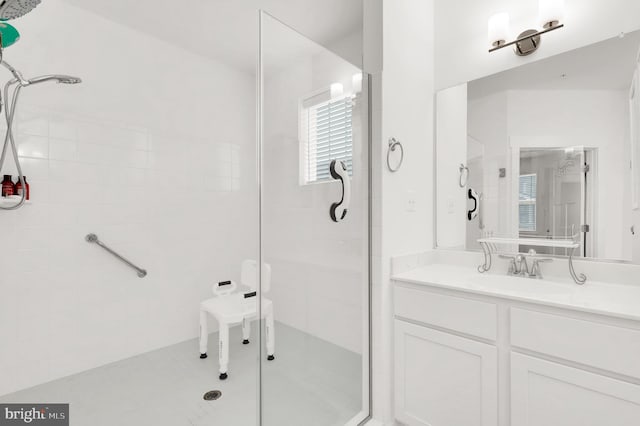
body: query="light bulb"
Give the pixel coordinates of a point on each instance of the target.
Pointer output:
(356, 82)
(498, 29)
(550, 13)
(336, 90)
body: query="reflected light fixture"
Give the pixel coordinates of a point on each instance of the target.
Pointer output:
(337, 89)
(356, 82)
(550, 17)
(498, 29)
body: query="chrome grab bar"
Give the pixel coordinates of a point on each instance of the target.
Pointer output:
(93, 238)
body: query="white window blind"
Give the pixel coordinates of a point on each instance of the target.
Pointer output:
(527, 202)
(326, 134)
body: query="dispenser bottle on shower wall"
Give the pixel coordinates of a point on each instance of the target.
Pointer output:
(8, 188)
(19, 188)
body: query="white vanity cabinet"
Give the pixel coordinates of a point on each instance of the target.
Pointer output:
(443, 379)
(467, 359)
(553, 394)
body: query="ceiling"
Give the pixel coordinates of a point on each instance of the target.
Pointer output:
(608, 65)
(227, 30)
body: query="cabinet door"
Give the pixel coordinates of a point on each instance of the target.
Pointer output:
(442, 379)
(551, 394)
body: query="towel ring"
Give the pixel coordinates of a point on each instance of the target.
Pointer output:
(393, 143)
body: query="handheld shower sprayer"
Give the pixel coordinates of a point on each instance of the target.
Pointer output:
(9, 103)
(8, 100)
(60, 79)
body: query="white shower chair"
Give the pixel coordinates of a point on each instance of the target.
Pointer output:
(230, 308)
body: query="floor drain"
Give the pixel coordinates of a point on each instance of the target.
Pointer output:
(212, 395)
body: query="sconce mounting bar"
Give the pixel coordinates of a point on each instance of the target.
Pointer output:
(527, 37)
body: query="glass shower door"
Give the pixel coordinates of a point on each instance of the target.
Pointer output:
(314, 232)
(553, 197)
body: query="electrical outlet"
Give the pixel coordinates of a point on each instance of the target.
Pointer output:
(451, 205)
(411, 201)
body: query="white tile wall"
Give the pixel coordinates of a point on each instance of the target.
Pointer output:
(154, 152)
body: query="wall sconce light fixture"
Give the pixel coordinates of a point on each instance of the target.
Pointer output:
(551, 14)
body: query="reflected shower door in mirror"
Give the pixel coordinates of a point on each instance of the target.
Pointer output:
(554, 199)
(548, 150)
(314, 231)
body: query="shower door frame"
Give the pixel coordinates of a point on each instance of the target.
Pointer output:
(365, 414)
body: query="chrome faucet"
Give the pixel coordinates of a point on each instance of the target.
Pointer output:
(518, 265)
(522, 268)
(535, 267)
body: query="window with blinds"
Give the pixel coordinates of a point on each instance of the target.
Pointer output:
(527, 202)
(325, 134)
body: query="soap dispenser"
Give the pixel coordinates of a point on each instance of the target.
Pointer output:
(26, 186)
(8, 188)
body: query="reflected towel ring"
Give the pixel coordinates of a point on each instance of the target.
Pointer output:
(464, 175)
(393, 143)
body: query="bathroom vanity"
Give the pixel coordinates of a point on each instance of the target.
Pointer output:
(531, 164)
(489, 349)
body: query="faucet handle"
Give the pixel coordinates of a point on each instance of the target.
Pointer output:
(511, 259)
(535, 266)
(512, 263)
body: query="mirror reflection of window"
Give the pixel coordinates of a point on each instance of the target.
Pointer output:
(527, 202)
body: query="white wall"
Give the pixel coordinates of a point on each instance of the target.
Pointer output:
(461, 33)
(451, 152)
(154, 152)
(403, 201)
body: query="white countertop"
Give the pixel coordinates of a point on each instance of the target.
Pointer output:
(618, 300)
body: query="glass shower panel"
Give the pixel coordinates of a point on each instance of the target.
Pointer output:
(314, 232)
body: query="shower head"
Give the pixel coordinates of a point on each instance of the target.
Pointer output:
(64, 79)
(11, 9)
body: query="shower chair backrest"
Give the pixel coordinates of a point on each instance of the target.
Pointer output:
(249, 275)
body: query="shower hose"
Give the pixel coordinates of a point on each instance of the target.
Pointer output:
(9, 105)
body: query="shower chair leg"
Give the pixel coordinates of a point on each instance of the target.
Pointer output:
(223, 352)
(246, 330)
(204, 334)
(269, 331)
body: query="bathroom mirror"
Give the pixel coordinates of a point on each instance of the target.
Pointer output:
(545, 152)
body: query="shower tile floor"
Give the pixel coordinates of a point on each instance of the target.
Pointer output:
(310, 383)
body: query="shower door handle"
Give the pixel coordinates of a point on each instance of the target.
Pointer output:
(338, 170)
